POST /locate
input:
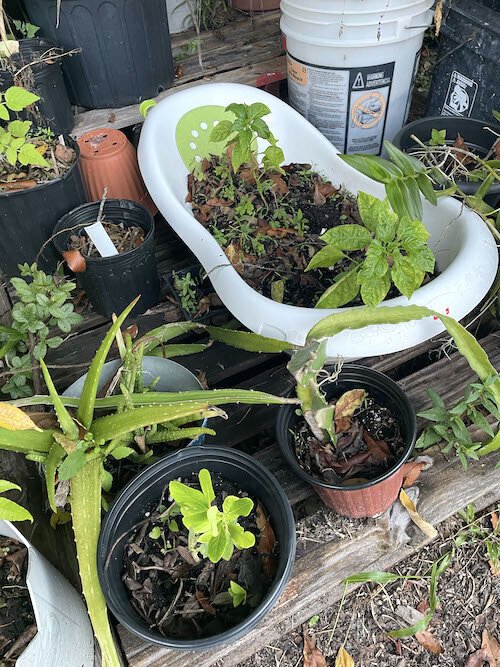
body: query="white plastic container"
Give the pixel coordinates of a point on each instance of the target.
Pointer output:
(465, 250)
(64, 637)
(179, 16)
(351, 66)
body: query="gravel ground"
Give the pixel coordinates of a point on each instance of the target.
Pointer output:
(469, 596)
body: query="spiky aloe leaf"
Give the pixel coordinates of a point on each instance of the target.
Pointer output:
(68, 426)
(85, 412)
(157, 337)
(246, 340)
(26, 442)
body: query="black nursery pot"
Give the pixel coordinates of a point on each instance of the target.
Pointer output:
(369, 498)
(45, 80)
(27, 218)
(111, 283)
(125, 52)
(474, 132)
(145, 490)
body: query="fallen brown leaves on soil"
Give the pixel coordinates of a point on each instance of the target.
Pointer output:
(494, 520)
(411, 472)
(345, 407)
(460, 143)
(409, 506)
(379, 449)
(343, 658)
(429, 642)
(312, 655)
(489, 652)
(266, 542)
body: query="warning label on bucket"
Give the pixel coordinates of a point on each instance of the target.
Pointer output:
(348, 106)
(460, 97)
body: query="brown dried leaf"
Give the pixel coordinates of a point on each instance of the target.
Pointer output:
(132, 331)
(495, 568)
(343, 658)
(379, 449)
(75, 260)
(266, 542)
(489, 652)
(247, 175)
(429, 642)
(327, 189)
(411, 472)
(203, 600)
(18, 185)
(318, 197)
(312, 655)
(64, 153)
(279, 184)
(477, 659)
(460, 143)
(494, 520)
(186, 555)
(345, 407)
(424, 525)
(438, 17)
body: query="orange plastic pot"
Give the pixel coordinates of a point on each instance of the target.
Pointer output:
(255, 5)
(108, 160)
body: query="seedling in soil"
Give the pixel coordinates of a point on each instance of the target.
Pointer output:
(388, 250)
(238, 594)
(214, 533)
(186, 289)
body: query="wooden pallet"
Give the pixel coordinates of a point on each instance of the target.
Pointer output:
(317, 576)
(247, 50)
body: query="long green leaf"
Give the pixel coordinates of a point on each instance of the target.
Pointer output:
(173, 434)
(26, 442)
(178, 350)
(86, 515)
(89, 392)
(246, 340)
(157, 337)
(375, 577)
(68, 426)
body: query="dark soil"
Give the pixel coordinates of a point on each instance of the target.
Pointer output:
(17, 620)
(59, 157)
(124, 238)
(180, 597)
(270, 229)
(368, 443)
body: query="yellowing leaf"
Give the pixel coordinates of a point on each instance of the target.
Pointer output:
(14, 419)
(424, 525)
(345, 407)
(343, 659)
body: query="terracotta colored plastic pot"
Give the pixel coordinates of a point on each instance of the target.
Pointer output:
(108, 159)
(255, 5)
(369, 498)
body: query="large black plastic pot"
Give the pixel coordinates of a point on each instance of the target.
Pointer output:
(125, 48)
(111, 283)
(43, 79)
(368, 498)
(475, 133)
(145, 490)
(27, 218)
(466, 79)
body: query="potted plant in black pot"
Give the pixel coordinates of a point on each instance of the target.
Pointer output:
(355, 430)
(457, 150)
(39, 181)
(224, 529)
(124, 48)
(114, 273)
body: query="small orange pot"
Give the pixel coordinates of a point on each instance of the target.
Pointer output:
(108, 160)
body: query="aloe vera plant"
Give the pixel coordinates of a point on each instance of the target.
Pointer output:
(78, 449)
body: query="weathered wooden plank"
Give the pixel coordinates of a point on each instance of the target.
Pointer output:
(255, 74)
(5, 305)
(317, 577)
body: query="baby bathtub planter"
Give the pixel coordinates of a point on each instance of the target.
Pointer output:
(478, 135)
(64, 635)
(360, 497)
(144, 493)
(112, 282)
(178, 131)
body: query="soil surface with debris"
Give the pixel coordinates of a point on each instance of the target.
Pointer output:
(464, 631)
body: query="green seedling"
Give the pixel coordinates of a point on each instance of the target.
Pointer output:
(238, 594)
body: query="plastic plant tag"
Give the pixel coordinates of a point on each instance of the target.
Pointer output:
(99, 237)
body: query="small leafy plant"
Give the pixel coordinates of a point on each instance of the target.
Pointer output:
(213, 532)
(242, 133)
(42, 306)
(15, 145)
(238, 594)
(186, 289)
(395, 252)
(10, 510)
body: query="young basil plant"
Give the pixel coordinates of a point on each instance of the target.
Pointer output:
(395, 251)
(242, 133)
(216, 532)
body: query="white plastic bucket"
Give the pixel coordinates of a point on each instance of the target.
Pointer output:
(351, 66)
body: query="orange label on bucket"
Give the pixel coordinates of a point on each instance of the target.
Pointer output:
(367, 111)
(297, 72)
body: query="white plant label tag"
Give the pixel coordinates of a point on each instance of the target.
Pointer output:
(100, 238)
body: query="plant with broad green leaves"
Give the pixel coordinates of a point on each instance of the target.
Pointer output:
(214, 533)
(77, 450)
(395, 252)
(242, 133)
(10, 510)
(41, 307)
(15, 145)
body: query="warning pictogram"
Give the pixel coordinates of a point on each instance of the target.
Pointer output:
(460, 96)
(368, 110)
(358, 84)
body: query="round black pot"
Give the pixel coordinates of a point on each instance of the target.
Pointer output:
(474, 134)
(45, 80)
(145, 490)
(111, 283)
(368, 498)
(27, 218)
(125, 48)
